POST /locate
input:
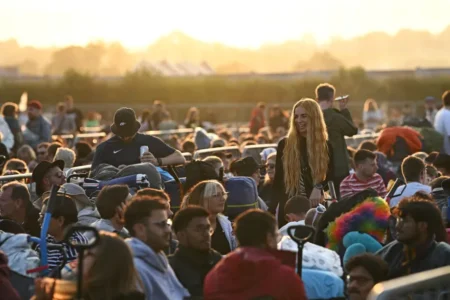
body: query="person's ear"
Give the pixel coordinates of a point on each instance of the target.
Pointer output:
(289, 217)
(19, 203)
(181, 235)
(140, 231)
(60, 221)
(272, 240)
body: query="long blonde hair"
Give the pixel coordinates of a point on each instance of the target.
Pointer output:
(316, 145)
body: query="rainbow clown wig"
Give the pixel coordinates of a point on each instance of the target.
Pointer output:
(370, 216)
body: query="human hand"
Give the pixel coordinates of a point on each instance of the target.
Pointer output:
(148, 157)
(316, 197)
(44, 289)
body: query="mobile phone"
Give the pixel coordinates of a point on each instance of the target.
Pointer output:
(342, 98)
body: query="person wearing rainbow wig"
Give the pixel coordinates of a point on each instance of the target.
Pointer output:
(366, 224)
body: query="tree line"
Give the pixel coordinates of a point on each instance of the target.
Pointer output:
(142, 86)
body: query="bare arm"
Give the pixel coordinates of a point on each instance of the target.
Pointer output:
(175, 158)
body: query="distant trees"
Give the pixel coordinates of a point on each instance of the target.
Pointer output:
(144, 86)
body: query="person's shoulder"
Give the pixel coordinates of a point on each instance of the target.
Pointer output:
(350, 177)
(146, 138)
(393, 246)
(377, 177)
(282, 142)
(444, 248)
(216, 256)
(108, 142)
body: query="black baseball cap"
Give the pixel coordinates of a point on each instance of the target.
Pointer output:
(125, 123)
(246, 166)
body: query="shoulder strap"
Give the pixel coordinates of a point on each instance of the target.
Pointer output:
(5, 240)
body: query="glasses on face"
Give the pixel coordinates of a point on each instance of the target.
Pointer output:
(320, 209)
(163, 224)
(220, 195)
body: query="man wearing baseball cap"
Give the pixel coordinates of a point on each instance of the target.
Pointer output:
(38, 129)
(125, 146)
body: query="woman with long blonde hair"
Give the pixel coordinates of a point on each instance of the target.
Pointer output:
(372, 115)
(304, 161)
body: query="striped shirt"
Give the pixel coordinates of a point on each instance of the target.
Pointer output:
(352, 185)
(55, 257)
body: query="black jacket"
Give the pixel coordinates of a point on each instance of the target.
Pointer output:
(191, 267)
(404, 262)
(279, 188)
(339, 125)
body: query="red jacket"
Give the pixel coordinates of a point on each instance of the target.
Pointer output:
(388, 136)
(257, 120)
(250, 272)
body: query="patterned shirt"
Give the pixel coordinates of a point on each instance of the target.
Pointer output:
(352, 185)
(55, 257)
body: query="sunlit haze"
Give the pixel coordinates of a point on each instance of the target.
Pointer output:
(242, 23)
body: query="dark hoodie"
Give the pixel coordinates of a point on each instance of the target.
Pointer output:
(7, 291)
(261, 273)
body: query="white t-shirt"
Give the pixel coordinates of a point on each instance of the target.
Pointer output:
(376, 116)
(283, 230)
(442, 125)
(410, 189)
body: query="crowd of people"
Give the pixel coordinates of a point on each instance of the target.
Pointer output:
(218, 226)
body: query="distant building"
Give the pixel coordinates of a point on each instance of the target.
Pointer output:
(166, 68)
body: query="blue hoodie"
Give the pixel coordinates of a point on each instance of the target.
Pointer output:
(157, 276)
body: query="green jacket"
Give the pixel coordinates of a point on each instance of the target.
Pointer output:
(339, 125)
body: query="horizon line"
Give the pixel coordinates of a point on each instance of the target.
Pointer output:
(313, 41)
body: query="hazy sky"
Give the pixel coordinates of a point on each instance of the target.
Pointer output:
(243, 23)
